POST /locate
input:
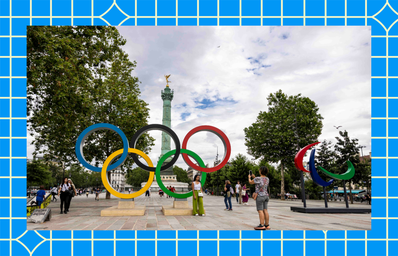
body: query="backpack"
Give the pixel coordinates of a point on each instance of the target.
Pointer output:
(231, 190)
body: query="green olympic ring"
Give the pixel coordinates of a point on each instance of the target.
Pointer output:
(159, 165)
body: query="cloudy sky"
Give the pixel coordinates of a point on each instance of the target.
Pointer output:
(221, 76)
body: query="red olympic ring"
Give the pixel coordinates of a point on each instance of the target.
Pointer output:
(221, 135)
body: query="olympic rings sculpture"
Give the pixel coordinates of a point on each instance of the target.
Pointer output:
(130, 148)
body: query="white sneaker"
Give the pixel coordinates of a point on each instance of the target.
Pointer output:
(196, 214)
(203, 215)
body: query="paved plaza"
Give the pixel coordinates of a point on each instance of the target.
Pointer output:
(84, 214)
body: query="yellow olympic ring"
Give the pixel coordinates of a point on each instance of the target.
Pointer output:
(108, 187)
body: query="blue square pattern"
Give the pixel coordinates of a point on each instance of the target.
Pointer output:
(251, 248)
(4, 87)
(4, 167)
(103, 248)
(378, 230)
(376, 248)
(41, 7)
(392, 207)
(81, 248)
(208, 7)
(146, 248)
(379, 167)
(272, 7)
(314, 8)
(4, 47)
(125, 248)
(169, 248)
(378, 207)
(378, 46)
(18, 87)
(166, 7)
(185, 248)
(229, 7)
(18, 167)
(187, 7)
(251, 8)
(393, 147)
(207, 248)
(392, 167)
(5, 187)
(229, 248)
(18, 47)
(379, 128)
(19, 128)
(393, 87)
(4, 128)
(379, 87)
(379, 147)
(23, 7)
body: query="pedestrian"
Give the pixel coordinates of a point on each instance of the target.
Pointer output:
(63, 192)
(54, 192)
(129, 190)
(238, 190)
(160, 193)
(197, 197)
(262, 197)
(227, 195)
(147, 193)
(245, 195)
(87, 192)
(72, 191)
(41, 194)
(168, 188)
(97, 191)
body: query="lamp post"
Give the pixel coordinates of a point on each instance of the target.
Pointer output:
(362, 147)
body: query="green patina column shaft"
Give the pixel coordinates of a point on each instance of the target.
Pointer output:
(167, 97)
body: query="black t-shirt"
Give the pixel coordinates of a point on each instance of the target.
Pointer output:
(228, 188)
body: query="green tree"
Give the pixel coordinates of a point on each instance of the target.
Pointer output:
(77, 77)
(347, 149)
(240, 169)
(291, 122)
(38, 173)
(136, 176)
(326, 157)
(182, 175)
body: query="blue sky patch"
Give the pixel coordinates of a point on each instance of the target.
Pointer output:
(208, 103)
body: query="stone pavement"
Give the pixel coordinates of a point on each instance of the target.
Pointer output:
(84, 214)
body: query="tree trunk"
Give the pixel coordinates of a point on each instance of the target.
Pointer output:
(352, 199)
(108, 195)
(282, 182)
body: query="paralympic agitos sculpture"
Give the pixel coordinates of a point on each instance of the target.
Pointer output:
(298, 161)
(130, 148)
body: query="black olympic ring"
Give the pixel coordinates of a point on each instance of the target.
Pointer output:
(151, 127)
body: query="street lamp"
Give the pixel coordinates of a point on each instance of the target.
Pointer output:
(361, 147)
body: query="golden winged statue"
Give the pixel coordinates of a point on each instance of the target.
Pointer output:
(167, 79)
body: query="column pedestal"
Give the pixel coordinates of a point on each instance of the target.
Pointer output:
(126, 207)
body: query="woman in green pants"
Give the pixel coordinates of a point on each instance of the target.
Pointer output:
(197, 199)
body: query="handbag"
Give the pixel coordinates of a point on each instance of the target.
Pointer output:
(255, 195)
(228, 194)
(200, 194)
(231, 190)
(243, 192)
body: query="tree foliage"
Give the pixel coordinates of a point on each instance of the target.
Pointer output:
(290, 123)
(347, 149)
(77, 77)
(136, 176)
(38, 173)
(182, 175)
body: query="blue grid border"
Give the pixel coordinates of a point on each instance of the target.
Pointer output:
(380, 15)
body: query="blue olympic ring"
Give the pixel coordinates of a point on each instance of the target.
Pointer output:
(89, 130)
